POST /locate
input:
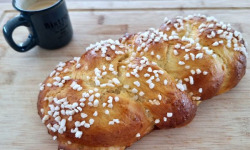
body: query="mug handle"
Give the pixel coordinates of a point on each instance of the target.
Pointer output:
(11, 25)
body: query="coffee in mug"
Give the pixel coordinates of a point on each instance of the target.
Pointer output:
(40, 4)
(48, 23)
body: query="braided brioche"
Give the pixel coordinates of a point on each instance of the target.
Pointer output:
(118, 91)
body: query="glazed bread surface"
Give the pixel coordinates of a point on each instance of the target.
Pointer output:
(120, 90)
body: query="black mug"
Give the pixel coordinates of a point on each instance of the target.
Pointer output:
(49, 27)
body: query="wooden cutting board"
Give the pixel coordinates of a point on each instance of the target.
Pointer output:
(221, 123)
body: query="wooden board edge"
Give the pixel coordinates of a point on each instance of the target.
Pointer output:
(150, 5)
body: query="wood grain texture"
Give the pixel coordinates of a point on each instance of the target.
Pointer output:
(221, 123)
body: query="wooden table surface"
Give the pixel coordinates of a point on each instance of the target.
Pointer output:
(221, 123)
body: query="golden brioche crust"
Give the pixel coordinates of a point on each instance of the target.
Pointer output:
(119, 91)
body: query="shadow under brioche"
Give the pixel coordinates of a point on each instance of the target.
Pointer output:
(119, 91)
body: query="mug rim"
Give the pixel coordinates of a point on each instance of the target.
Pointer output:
(40, 10)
